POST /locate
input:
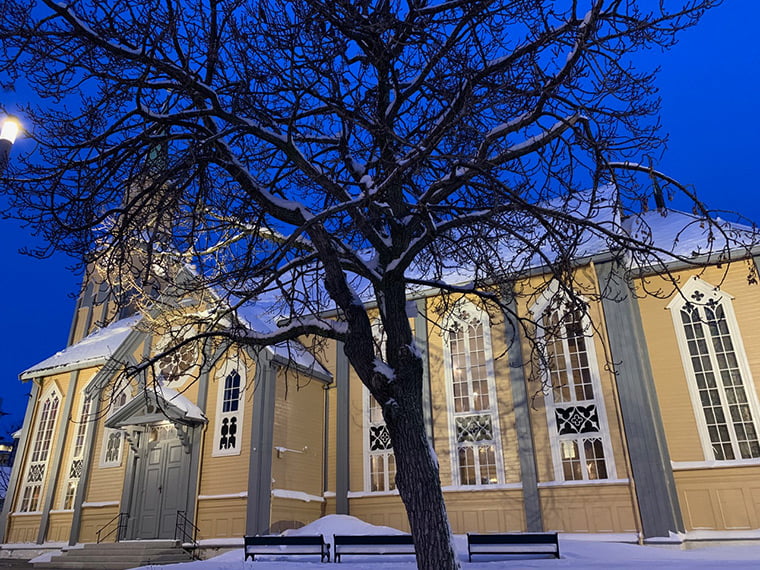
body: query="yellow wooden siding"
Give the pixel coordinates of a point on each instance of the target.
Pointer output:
(105, 484)
(298, 436)
(23, 528)
(221, 517)
(382, 510)
(80, 319)
(95, 518)
(487, 510)
(725, 498)
(293, 513)
(226, 474)
(588, 508)
(59, 527)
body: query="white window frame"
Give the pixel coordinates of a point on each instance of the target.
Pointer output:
(708, 292)
(553, 299)
(476, 315)
(123, 392)
(39, 465)
(389, 482)
(74, 472)
(230, 366)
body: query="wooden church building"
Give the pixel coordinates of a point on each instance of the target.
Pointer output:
(651, 425)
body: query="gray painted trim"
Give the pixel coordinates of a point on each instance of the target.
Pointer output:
(94, 388)
(326, 438)
(10, 495)
(262, 444)
(656, 494)
(421, 342)
(342, 431)
(54, 466)
(128, 487)
(525, 445)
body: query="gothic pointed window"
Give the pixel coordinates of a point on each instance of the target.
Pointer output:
(473, 413)
(229, 416)
(35, 474)
(380, 462)
(76, 460)
(720, 383)
(576, 415)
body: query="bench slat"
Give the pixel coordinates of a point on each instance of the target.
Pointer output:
(373, 544)
(513, 543)
(286, 545)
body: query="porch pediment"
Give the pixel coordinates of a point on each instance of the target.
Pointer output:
(156, 404)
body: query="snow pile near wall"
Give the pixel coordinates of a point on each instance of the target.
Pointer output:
(579, 552)
(341, 524)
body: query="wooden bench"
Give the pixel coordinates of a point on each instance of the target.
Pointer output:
(513, 543)
(373, 544)
(277, 545)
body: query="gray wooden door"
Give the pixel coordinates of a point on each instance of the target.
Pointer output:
(162, 488)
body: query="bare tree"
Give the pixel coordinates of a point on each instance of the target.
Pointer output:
(326, 157)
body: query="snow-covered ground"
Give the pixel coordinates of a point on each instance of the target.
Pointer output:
(576, 553)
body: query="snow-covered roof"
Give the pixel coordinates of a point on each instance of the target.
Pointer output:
(690, 236)
(92, 350)
(154, 404)
(259, 317)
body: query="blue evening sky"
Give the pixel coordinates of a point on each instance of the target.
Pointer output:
(709, 84)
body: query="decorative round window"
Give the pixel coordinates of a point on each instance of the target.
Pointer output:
(175, 366)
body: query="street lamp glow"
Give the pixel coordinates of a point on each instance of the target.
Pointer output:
(10, 130)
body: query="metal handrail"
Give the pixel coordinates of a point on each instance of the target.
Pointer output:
(121, 525)
(181, 532)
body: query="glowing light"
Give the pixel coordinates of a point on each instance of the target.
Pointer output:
(10, 130)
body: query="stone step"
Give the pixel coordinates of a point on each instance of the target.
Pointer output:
(131, 544)
(118, 556)
(159, 556)
(102, 564)
(120, 551)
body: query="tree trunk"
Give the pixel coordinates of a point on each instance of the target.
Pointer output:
(417, 471)
(417, 475)
(419, 484)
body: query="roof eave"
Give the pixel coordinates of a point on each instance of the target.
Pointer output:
(31, 374)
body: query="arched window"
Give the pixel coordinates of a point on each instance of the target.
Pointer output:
(34, 477)
(471, 393)
(379, 460)
(720, 384)
(229, 416)
(77, 454)
(575, 411)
